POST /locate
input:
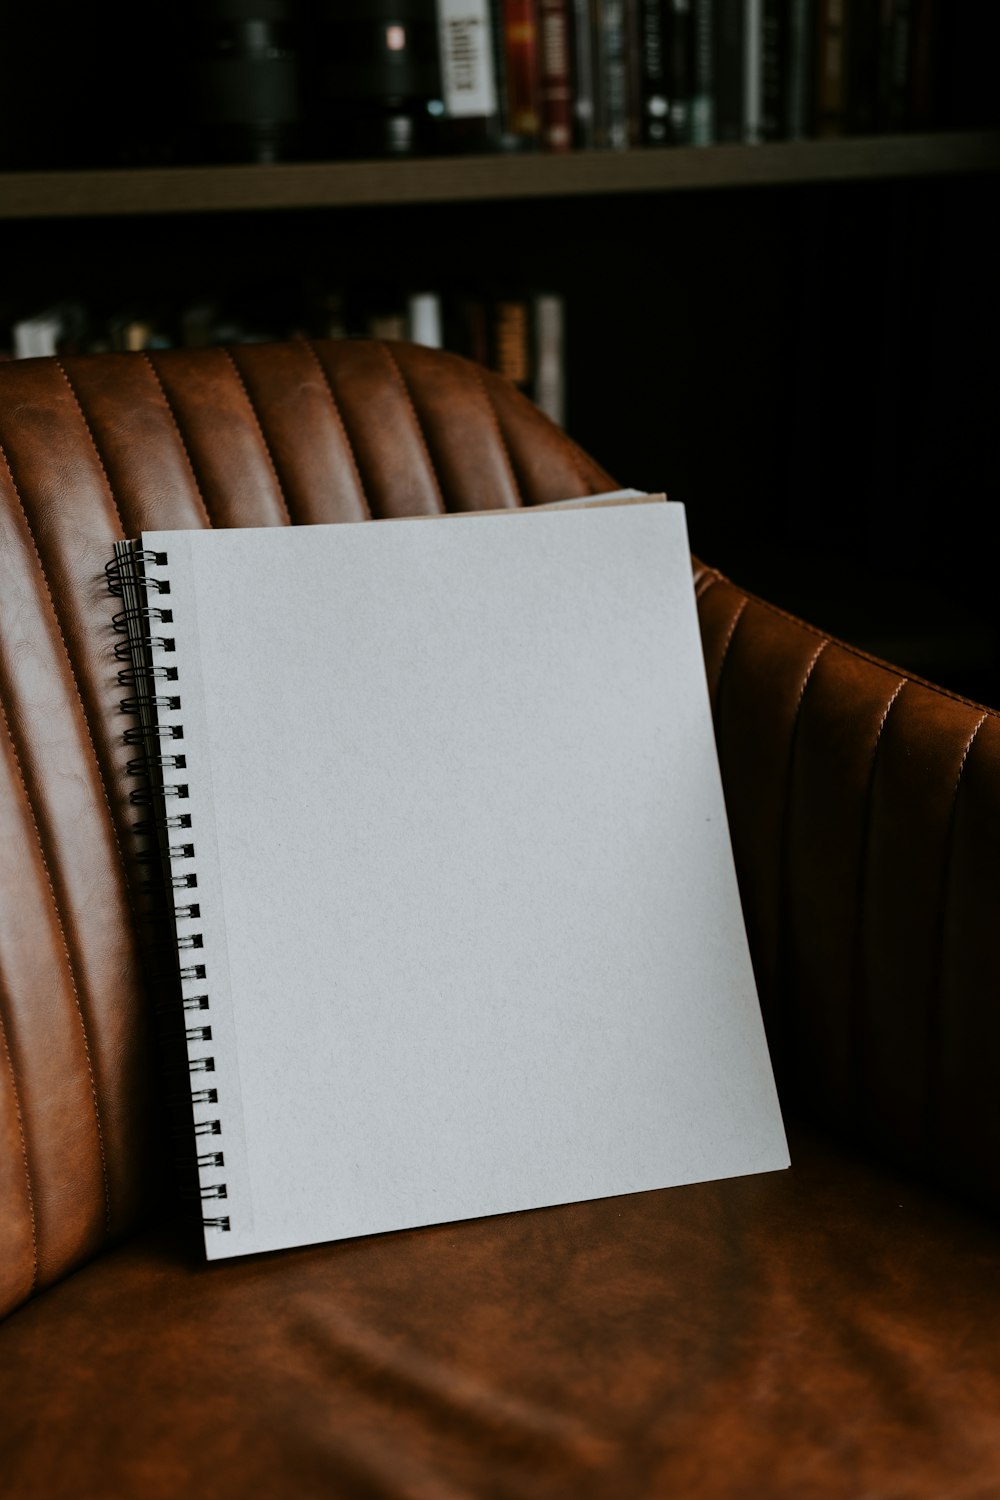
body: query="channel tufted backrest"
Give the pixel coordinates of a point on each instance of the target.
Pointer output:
(93, 449)
(865, 808)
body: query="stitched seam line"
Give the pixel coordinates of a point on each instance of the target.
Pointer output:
(180, 436)
(854, 1060)
(260, 429)
(783, 614)
(72, 672)
(90, 433)
(935, 1017)
(705, 583)
(394, 362)
(338, 416)
(69, 969)
(737, 617)
(579, 460)
(782, 1008)
(24, 1151)
(495, 420)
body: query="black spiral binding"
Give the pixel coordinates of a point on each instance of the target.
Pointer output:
(144, 623)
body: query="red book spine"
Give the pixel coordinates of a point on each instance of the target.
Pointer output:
(521, 57)
(555, 89)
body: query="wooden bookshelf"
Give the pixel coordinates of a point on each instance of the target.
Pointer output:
(178, 190)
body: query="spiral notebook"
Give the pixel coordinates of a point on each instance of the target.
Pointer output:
(456, 917)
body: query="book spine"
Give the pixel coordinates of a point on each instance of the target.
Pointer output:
(772, 70)
(863, 84)
(468, 76)
(136, 577)
(583, 75)
(753, 79)
(613, 75)
(895, 64)
(920, 111)
(555, 92)
(798, 112)
(679, 70)
(550, 365)
(728, 67)
(512, 342)
(653, 82)
(521, 68)
(702, 74)
(831, 71)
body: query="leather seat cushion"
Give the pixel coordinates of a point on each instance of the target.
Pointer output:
(825, 1332)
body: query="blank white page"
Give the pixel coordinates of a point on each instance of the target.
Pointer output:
(471, 931)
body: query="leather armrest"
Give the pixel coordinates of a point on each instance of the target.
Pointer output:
(865, 815)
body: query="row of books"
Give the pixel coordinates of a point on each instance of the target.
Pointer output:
(522, 337)
(268, 80)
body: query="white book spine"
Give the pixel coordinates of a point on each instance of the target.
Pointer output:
(424, 318)
(466, 49)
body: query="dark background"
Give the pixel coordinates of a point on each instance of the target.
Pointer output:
(810, 369)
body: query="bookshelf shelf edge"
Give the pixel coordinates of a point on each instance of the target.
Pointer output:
(348, 184)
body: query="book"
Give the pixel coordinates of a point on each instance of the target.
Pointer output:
(654, 82)
(456, 919)
(753, 71)
(831, 67)
(468, 72)
(680, 66)
(550, 359)
(729, 69)
(522, 119)
(555, 91)
(611, 75)
(703, 83)
(582, 39)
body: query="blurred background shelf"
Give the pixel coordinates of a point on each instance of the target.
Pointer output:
(477, 179)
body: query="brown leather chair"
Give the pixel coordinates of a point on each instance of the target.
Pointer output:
(831, 1331)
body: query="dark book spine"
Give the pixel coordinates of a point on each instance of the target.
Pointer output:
(728, 38)
(863, 69)
(753, 71)
(679, 46)
(799, 71)
(583, 74)
(773, 33)
(521, 66)
(653, 82)
(921, 110)
(702, 73)
(895, 60)
(611, 75)
(555, 90)
(831, 68)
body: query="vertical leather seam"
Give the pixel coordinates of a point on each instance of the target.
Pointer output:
(180, 436)
(341, 423)
(737, 617)
(93, 442)
(854, 1014)
(495, 419)
(69, 969)
(260, 429)
(934, 1020)
(84, 716)
(781, 1007)
(577, 458)
(24, 1151)
(394, 363)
